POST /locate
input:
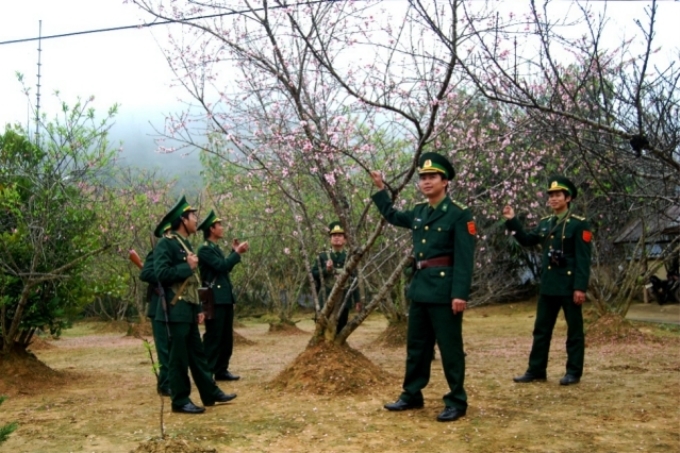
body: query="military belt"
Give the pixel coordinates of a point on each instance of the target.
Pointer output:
(442, 261)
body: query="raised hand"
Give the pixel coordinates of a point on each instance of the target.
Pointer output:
(376, 176)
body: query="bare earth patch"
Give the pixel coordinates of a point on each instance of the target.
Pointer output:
(171, 446)
(331, 370)
(394, 336)
(613, 328)
(105, 400)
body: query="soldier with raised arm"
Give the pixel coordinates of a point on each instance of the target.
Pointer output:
(566, 241)
(215, 268)
(327, 266)
(443, 246)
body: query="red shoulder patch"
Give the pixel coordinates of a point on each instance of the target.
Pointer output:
(587, 236)
(472, 229)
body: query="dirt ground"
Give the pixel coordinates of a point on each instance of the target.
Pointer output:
(102, 397)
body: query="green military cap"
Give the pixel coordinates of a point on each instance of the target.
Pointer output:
(435, 163)
(173, 214)
(335, 228)
(561, 183)
(161, 228)
(209, 221)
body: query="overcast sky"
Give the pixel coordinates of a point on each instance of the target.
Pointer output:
(124, 67)
(128, 68)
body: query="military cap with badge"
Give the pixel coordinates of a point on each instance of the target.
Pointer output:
(209, 221)
(435, 163)
(561, 183)
(335, 228)
(173, 214)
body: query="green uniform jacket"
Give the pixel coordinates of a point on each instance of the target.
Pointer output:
(448, 231)
(171, 270)
(573, 237)
(339, 259)
(215, 269)
(149, 276)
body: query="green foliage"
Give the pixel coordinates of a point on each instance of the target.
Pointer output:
(47, 221)
(6, 430)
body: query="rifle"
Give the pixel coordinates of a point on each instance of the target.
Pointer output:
(136, 260)
(161, 296)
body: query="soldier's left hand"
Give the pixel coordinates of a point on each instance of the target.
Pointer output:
(579, 297)
(242, 248)
(458, 306)
(201, 318)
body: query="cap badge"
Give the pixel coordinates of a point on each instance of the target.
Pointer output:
(553, 185)
(427, 164)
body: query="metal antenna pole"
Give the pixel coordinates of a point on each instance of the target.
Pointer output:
(37, 95)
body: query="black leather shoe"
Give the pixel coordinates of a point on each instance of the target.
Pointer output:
(189, 408)
(528, 377)
(226, 376)
(222, 398)
(569, 379)
(401, 405)
(450, 414)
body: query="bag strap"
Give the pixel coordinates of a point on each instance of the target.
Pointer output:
(179, 293)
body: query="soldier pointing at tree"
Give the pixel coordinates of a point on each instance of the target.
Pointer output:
(566, 240)
(443, 246)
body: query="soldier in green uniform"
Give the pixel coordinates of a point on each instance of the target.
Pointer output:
(328, 265)
(176, 268)
(159, 328)
(215, 268)
(443, 246)
(566, 241)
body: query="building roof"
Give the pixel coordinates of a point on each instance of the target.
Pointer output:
(658, 228)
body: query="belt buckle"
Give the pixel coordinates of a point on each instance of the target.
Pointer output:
(418, 266)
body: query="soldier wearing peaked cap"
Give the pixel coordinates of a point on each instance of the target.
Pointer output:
(158, 327)
(443, 245)
(176, 268)
(327, 266)
(215, 268)
(566, 241)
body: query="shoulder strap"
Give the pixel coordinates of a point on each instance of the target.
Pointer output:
(181, 242)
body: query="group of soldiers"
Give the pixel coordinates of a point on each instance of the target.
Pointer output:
(443, 233)
(176, 274)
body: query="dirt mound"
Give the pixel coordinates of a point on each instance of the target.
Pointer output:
(171, 446)
(286, 328)
(612, 328)
(38, 344)
(22, 373)
(394, 336)
(328, 369)
(139, 330)
(241, 340)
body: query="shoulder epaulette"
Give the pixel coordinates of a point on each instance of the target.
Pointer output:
(578, 217)
(205, 243)
(169, 235)
(546, 217)
(459, 204)
(421, 202)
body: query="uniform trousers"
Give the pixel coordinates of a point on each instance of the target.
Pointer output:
(186, 352)
(160, 340)
(546, 315)
(428, 323)
(218, 339)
